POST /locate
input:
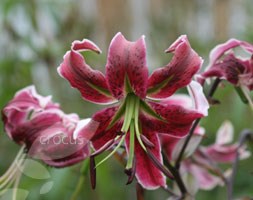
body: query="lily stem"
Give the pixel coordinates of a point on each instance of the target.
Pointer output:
(175, 172)
(244, 135)
(139, 192)
(80, 184)
(195, 124)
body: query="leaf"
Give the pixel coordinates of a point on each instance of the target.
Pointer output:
(46, 187)
(35, 169)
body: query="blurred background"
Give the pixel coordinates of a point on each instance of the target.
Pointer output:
(35, 34)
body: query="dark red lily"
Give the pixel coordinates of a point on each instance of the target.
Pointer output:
(143, 105)
(226, 65)
(47, 133)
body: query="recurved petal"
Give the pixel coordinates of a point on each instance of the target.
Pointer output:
(229, 69)
(91, 83)
(147, 174)
(196, 101)
(126, 68)
(219, 50)
(178, 120)
(164, 81)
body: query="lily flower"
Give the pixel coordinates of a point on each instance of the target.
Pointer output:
(141, 106)
(199, 168)
(46, 131)
(225, 64)
(222, 151)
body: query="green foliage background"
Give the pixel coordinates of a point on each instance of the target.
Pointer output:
(36, 34)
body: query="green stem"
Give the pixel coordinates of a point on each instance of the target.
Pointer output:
(80, 184)
(79, 188)
(244, 135)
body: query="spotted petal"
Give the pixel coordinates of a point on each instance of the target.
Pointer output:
(126, 68)
(219, 50)
(91, 83)
(99, 123)
(230, 69)
(178, 119)
(163, 82)
(146, 173)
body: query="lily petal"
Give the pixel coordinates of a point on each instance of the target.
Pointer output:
(199, 99)
(126, 66)
(219, 50)
(28, 131)
(55, 144)
(222, 154)
(91, 83)
(225, 133)
(230, 69)
(206, 180)
(147, 174)
(102, 135)
(178, 119)
(163, 82)
(173, 145)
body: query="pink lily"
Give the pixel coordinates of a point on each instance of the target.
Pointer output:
(142, 109)
(199, 169)
(47, 133)
(222, 151)
(195, 175)
(226, 65)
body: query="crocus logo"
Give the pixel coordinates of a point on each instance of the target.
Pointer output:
(61, 138)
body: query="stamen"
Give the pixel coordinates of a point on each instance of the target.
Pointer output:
(114, 150)
(93, 174)
(131, 172)
(147, 142)
(159, 165)
(104, 147)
